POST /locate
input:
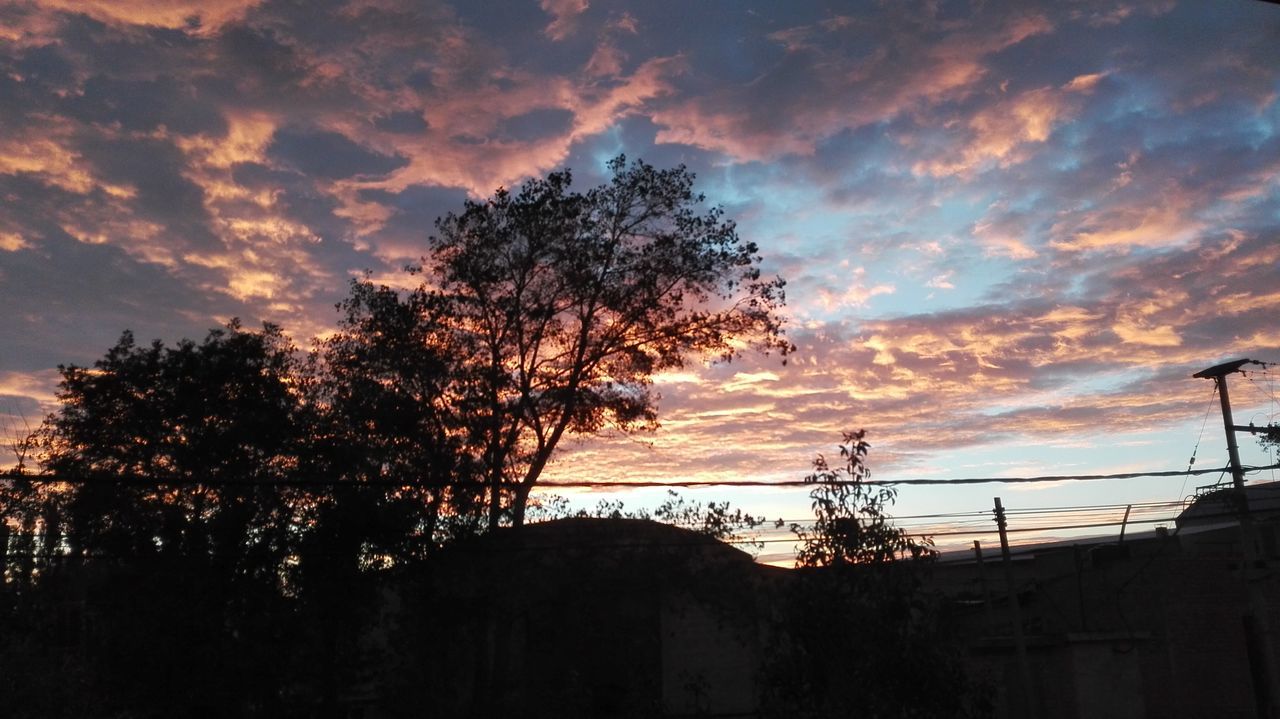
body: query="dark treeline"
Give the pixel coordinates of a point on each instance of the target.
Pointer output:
(180, 572)
(233, 507)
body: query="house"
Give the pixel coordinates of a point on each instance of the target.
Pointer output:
(1161, 625)
(581, 617)
(624, 617)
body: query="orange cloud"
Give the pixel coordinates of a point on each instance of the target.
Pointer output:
(1002, 133)
(436, 157)
(49, 157)
(186, 14)
(1127, 226)
(1000, 242)
(12, 242)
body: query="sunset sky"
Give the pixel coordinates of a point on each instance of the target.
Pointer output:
(1011, 231)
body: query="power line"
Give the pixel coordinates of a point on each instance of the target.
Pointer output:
(1196, 450)
(706, 540)
(590, 484)
(985, 514)
(979, 532)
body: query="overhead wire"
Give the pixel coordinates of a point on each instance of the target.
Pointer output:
(992, 530)
(969, 523)
(591, 484)
(1085, 516)
(1196, 450)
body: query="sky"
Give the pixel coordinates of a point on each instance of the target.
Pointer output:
(1011, 231)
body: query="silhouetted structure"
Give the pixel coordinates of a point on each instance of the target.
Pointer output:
(582, 617)
(624, 617)
(1150, 627)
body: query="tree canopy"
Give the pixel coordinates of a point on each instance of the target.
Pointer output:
(560, 306)
(172, 531)
(215, 420)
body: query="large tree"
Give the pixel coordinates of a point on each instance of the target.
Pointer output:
(175, 449)
(158, 524)
(383, 388)
(224, 495)
(564, 304)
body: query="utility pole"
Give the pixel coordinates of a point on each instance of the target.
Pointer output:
(1015, 608)
(1256, 620)
(989, 613)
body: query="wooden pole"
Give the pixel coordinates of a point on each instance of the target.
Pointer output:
(1079, 558)
(986, 588)
(1015, 608)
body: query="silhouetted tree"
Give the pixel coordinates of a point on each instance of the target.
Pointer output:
(204, 506)
(564, 305)
(851, 521)
(218, 422)
(393, 447)
(385, 386)
(858, 635)
(159, 559)
(1270, 439)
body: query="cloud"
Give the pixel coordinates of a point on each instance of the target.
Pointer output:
(1000, 223)
(1002, 132)
(329, 155)
(176, 14)
(564, 16)
(844, 74)
(942, 281)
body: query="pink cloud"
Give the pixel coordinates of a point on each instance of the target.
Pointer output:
(437, 158)
(1126, 226)
(906, 71)
(564, 16)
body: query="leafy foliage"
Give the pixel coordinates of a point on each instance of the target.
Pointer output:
(218, 420)
(136, 572)
(857, 633)
(718, 520)
(384, 388)
(851, 521)
(564, 304)
(228, 496)
(1270, 438)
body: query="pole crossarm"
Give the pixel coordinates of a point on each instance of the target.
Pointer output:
(1224, 369)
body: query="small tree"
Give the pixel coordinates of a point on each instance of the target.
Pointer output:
(858, 634)
(851, 521)
(563, 305)
(218, 421)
